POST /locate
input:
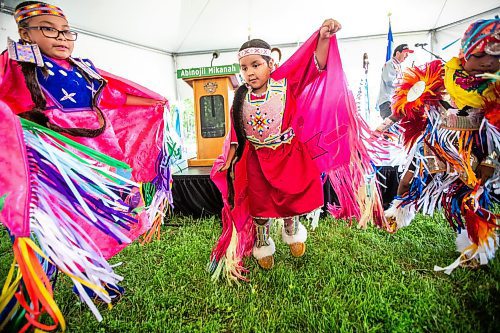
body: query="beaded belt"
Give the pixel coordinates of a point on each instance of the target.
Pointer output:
(470, 122)
(274, 142)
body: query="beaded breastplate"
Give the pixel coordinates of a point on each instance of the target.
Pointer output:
(69, 89)
(263, 116)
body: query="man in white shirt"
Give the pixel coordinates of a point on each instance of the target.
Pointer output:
(388, 165)
(391, 74)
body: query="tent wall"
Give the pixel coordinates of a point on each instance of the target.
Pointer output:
(351, 51)
(151, 69)
(450, 33)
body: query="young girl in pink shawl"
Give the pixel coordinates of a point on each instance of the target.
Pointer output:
(292, 128)
(41, 81)
(283, 180)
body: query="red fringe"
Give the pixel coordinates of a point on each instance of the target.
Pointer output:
(492, 107)
(481, 223)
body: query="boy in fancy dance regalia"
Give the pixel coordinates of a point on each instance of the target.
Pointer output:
(451, 117)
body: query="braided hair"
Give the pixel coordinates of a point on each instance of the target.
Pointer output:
(237, 117)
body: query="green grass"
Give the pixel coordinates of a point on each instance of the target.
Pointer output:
(350, 280)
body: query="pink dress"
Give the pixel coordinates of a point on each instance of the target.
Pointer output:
(283, 179)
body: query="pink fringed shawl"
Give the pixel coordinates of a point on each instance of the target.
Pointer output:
(14, 177)
(138, 129)
(134, 133)
(34, 202)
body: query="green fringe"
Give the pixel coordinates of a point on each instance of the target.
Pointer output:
(100, 157)
(148, 191)
(2, 201)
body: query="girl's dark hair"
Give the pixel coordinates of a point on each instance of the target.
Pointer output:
(29, 71)
(257, 43)
(36, 114)
(277, 50)
(237, 118)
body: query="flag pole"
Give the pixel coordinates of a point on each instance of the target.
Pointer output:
(388, 54)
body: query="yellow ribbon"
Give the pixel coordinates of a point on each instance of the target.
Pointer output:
(23, 244)
(8, 291)
(83, 282)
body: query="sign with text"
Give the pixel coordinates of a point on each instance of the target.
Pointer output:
(190, 73)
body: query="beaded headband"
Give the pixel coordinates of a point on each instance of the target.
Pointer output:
(254, 50)
(37, 9)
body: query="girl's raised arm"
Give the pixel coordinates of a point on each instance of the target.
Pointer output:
(327, 30)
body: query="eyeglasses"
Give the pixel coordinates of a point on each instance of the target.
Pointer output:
(50, 32)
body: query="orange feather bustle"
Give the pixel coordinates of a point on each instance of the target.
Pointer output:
(412, 114)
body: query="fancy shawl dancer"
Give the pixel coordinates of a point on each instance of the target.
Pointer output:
(67, 130)
(450, 113)
(291, 127)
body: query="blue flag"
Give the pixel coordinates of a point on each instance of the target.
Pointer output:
(389, 43)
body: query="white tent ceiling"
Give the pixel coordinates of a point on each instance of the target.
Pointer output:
(180, 26)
